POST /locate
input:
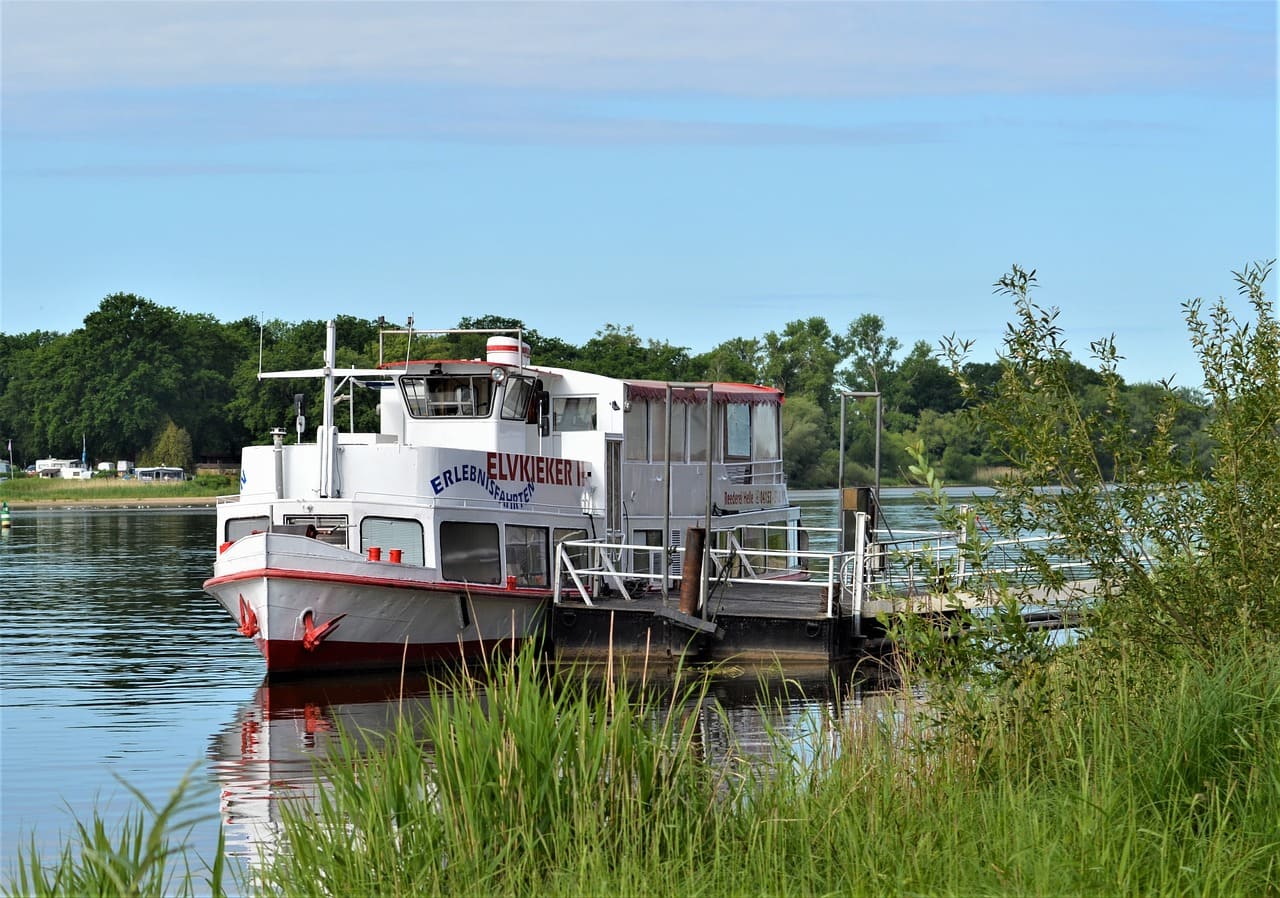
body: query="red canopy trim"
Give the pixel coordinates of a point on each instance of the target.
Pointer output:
(725, 393)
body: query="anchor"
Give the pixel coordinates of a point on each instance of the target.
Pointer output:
(248, 620)
(312, 635)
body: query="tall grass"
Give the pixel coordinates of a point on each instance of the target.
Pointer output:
(145, 856)
(526, 781)
(537, 785)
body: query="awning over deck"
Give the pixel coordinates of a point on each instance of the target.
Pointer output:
(725, 393)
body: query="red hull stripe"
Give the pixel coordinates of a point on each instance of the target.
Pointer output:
(386, 582)
(288, 655)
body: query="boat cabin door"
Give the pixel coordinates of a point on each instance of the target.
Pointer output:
(613, 489)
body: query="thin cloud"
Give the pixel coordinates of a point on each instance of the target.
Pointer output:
(738, 49)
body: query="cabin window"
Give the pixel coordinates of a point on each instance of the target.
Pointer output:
(448, 396)
(698, 432)
(647, 562)
(764, 433)
(679, 411)
(330, 528)
(658, 429)
(469, 551)
(515, 402)
(404, 534)
(238, 527)
(573, 413)
(737, 431)
(527, 555)
(635, 432)
(578, 554)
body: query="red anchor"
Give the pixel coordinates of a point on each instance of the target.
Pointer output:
(248, 620)
(312, 635)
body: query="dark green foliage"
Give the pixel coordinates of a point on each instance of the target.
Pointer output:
(136, 364)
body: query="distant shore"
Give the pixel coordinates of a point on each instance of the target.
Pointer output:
(148, 502)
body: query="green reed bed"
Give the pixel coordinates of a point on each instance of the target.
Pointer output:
(39, 489)
(534, 785)
(528, 781)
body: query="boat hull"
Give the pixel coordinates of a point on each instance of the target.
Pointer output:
(312, 607)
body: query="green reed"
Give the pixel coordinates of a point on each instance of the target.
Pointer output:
(522, 780)
(531, 784)
(144, 856)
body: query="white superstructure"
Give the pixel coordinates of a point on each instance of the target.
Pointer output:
(435, 536)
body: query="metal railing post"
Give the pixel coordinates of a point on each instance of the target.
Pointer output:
(859, 570)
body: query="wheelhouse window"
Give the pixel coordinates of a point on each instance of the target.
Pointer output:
(404, 534)
(527, 555)
(515, 402)
(469, 551)
(447, 395)
(573, 413)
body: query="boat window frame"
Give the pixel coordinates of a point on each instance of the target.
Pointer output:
(734, 434)
(508, 411)
(487, 553)
(261, 523)
(410, 553)
(425, 403)
(527, 571)
(570, 414)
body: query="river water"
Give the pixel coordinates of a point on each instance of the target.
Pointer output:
(117, 669)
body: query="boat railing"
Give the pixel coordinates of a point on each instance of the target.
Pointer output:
(586, 570)
(759, 473)
(904, 563)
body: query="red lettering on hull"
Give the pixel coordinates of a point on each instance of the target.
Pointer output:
(510, 466)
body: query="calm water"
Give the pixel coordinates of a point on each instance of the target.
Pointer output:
(118, 668)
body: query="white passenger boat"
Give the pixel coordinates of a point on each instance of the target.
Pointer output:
(436, 536)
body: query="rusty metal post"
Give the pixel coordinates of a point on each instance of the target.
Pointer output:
(691, 571)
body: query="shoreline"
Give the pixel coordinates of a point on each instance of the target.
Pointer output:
(157, 502)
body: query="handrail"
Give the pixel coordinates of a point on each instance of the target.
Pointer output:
(908, 564)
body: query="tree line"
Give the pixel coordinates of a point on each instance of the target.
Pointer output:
(143, 381)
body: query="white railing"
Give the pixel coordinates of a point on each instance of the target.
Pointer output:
(901, 563)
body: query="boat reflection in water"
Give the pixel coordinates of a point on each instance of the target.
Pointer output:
(268, 754)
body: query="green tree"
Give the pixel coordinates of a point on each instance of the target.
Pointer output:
(738, 360)
(616, 351)
(802, 360)
(922, 382)
(805, 438)
(171, 448)
(870, 351)
(1187, 568)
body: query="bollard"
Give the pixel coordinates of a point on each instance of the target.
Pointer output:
(375, 553)
(396, 555)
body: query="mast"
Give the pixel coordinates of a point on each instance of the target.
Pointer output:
(327, 437)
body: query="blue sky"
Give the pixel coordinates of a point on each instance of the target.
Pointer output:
(699, 171)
